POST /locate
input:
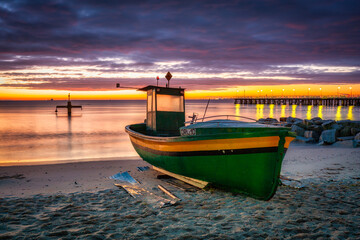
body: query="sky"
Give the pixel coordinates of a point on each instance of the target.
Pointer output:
(212, 48)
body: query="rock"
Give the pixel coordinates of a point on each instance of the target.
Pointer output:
(312, 134)
(316, 128)
(356, 141)
(298, 130)
(337, 127)
(344, 122)
(355, 124)
(268, 121)
(328, 137)
(354, 131)
(345, 132)
(283, 119)
(308, 123)
(317, 120)
(327, 124)
(293, 120)
(345, 138)
(305, 140)
(300, 124)
(357, 137)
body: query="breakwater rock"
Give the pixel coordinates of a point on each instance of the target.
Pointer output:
(317, 130)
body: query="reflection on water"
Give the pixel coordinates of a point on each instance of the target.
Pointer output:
(259, 111)
(237, 111)
(293, 113)
(69, 133)
(350, 113)
(271, 113)
(308, 113)
(31, 131)
(338, 113)
(283, 108)
(320, 108)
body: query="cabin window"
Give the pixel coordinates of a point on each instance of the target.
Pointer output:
(170, 103)
(150, 119)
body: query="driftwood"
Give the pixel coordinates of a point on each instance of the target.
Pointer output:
(168, 192)
(191, 181)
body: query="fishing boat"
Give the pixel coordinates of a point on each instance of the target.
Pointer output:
(239, 156)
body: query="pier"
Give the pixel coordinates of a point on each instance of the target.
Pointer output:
(69, 106)
(315, 101)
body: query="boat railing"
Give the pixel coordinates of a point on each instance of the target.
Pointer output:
(227, 117)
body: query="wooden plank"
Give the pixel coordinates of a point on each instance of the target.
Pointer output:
(192, 181)
(168, 192)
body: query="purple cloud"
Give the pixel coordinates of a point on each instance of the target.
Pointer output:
(259, 37)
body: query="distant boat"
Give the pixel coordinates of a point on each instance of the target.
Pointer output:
(243, 157)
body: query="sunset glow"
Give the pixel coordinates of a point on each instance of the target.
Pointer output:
(214, 50)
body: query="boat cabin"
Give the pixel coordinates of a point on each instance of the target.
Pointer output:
(165, 110)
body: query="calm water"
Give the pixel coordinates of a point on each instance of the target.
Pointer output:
(32, 132)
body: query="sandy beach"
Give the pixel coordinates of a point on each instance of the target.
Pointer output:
(79, 201)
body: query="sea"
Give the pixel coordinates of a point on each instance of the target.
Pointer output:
(31, 132)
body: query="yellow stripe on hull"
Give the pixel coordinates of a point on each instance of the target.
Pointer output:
(215, 144)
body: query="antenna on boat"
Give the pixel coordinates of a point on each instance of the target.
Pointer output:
(206, 109)
(157, 81)
(168, 76)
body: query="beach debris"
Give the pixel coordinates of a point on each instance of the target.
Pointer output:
(291, 182)
(143, 169)
(167, 192)
(141, 193)
(178, 183)
(191, 181)
(132, 190)
(125, 177)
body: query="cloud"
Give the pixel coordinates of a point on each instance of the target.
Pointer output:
(105, 38)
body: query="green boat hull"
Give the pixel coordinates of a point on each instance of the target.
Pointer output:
(249, 170)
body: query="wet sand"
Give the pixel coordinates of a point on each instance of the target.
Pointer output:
(78, 200)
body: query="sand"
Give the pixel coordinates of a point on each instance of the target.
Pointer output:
(78, 200)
